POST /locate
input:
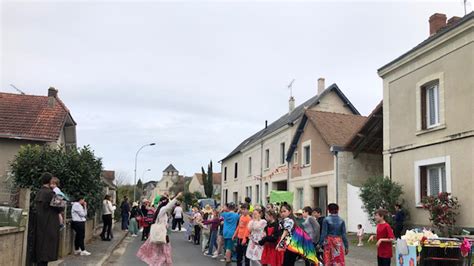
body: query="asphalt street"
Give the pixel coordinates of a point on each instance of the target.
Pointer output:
(185, 253)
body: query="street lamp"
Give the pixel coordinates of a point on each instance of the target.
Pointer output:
(135, 172)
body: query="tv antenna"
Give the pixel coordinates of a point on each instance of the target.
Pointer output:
(290, 87)
(18, 90)
(465, 4)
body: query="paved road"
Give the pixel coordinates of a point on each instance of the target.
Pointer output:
(187, 254)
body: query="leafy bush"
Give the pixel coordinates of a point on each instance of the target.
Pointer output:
(79, 172)
(379, 192)
(443, 210)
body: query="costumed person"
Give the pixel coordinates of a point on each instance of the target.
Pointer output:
(256, 227)
(159, 254)
(148, 219)
(334, 238)
(231, 218)
(270, 255)
(205, 230)
(241, 234)
(311, 227)
(46, 224)
(214, 223)
(294, 240)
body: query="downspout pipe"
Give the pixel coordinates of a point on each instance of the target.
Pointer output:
(335, 150)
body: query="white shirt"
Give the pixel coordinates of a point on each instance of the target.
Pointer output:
(178, 212)
(78, 212)
(107, 207)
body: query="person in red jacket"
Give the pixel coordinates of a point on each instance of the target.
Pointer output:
(384, 237)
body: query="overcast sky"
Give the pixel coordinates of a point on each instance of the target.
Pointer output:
(198, 77)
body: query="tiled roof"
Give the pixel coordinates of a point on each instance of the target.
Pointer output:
(170, 168)
(30, 117)
(291, 118)
(433, 37)
(216, 178)
(336, 129)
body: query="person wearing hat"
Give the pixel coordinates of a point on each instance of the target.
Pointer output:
(205, 230)
(134, 213)
(299, 218)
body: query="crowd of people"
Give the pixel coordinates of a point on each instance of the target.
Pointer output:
(264, 235)
(271, 235)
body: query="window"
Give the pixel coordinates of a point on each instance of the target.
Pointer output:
(226, 195)
(236, 166)
(267, 158)
(236, 197)
(299, 192)
(266, 189)
(321, 198)
(296, 158)
(430, 105)
(250, 165)
(257, 191)
(307, 155)
(432, 180)
(432, 176)
(225, 173)
(250, 192)
(282, 153)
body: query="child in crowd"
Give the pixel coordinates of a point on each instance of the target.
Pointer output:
(384, 238)
(214, 222)
(270, 256)
(148, 220)
(360, 235)
(241, 234)
(197, 219)
(256, 227)
(54, 184)
(230, 224)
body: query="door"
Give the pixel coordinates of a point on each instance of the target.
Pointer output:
(321, 198)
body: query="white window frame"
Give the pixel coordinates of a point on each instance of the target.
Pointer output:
(435, 88)
(306, 158)
(431, 162)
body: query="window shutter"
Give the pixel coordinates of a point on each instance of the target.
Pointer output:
(443, 179)
(434, 180)
(423, 182)
(423, 108)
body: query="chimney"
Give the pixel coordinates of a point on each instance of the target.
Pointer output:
(321, 85)
(453, 20)
(437, 22)
(291, 104)
(52, 94)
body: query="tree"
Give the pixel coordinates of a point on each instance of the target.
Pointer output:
(177, 186)
(78, 170)
(207, 180)
(379, 192)
(443, 209)
(139, 189)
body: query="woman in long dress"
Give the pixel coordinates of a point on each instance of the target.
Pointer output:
(159, 254)
(256, 228)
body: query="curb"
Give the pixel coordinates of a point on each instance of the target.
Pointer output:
(110, 250)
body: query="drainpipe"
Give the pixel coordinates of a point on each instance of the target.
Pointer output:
(390, 165)
(335, 150)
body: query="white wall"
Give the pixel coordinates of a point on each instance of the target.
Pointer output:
(356, 212)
